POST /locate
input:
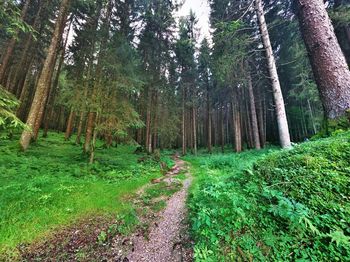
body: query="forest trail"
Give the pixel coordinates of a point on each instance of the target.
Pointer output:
(168, 235)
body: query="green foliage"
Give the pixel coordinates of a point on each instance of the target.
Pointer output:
(52, 185)
(10, 19)
(291, 206)
(8, 120)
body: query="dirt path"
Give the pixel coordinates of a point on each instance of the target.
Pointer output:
(160, 233)
(166, 238)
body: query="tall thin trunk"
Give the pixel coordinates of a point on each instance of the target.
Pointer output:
(89, 131)
(183, 127)
(155, 127)
(11, 45)
(276, 86)
(43, 83)
(194, 131)
(254, 119)
(222, 130)
(93, 144)
(70, 122)
(209, 141)
(328, 63)
(80, 128)
(92, 116)
(148, 121)
(236, 120)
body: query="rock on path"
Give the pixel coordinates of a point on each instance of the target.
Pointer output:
(164, 241)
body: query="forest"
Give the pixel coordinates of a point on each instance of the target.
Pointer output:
(129, 133)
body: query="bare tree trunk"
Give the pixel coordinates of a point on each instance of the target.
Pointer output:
(148, 120)
(222, 129)
(209, 141)
(327, 59)
(70, 122)
(183, 130)
(254, 119)
(276, 87)
(43, 83)
(155, 128)
(89, 131)
(236, 120)
(80, 128)
(11, 45)
(93, 144)
(194, 131)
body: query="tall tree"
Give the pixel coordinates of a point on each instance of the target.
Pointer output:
(328, 62)
(43, 84)
(283, 129)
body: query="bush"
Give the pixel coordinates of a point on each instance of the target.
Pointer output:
(291, 206)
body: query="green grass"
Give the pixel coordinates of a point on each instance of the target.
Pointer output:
(290, 205)
(52, 185)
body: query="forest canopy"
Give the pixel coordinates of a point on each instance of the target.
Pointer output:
(133, 71)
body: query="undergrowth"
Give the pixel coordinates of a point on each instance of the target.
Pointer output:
(291, 205)
(52, 185)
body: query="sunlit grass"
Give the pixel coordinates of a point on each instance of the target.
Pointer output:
(52, 185)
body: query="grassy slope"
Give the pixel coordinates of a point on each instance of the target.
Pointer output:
(292, 205)
(52, 185)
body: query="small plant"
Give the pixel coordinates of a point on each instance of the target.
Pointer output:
(102, 237)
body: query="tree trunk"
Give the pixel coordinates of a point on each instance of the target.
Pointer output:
(209, 142)
(222, 129)
(70, 122)
(254, 119)
(276, 87)
(194, 131)
(93, 144)
(80, 128)
(148, 120)
(89, 131)
(183, 130)
(40, 96)
(236, 121)
(11, 45)
(328, 62)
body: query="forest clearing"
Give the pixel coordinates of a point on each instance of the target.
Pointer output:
(165, 131)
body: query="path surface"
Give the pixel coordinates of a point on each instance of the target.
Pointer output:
(165, 241)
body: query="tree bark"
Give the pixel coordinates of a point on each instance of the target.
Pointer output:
(194, 131)
(80, 128)
(254, 118)
(89, 131)
(236, 120)
(93, 144)
(41, 92)
(327, 60)
(276, 86)
(70, 122)
(183, 126)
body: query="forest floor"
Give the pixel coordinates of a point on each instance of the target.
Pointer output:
(168, 238)
(155, 229)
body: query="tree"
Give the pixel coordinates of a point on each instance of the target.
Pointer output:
(205, 83)
(327, 60)
(43, 85)
(276, 87)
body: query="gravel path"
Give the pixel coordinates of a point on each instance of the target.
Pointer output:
(165, 239)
